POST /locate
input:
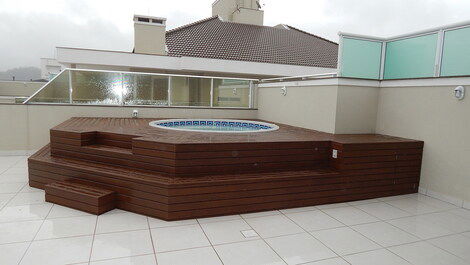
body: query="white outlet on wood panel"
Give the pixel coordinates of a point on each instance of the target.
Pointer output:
(335, 153)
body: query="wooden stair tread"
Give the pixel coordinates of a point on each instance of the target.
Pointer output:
(156, 179)
(74, 192)
(109, 148)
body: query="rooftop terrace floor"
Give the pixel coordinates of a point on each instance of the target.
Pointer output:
(407, 229)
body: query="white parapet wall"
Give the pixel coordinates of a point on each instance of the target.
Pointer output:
(26, 127)
(427, 110)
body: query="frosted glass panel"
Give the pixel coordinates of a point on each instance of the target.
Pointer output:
(190, 91)
(411, 58)
(231, 93)
(361, 58)
(56, 91)
(456, 54)
(142, 89)
(97, 88)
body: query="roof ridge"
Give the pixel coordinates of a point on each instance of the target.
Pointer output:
(192, 24)
(311, 34)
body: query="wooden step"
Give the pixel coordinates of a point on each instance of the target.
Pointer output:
(81, 197)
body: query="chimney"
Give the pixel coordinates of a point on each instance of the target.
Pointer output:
(149, 35)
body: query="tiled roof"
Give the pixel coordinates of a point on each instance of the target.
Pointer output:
(213, 38)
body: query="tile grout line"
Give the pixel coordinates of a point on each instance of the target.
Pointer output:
(93, 240)
(317, 238)
(151, 240)
(35, 235)
(264, 240)
(212, 246)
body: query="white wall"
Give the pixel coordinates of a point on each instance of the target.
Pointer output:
(26, 127)
(432, 114)
(312, 107)
(18, 88)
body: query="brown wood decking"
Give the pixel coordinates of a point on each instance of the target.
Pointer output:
(178, 175)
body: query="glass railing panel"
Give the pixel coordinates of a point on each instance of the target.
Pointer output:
(411, 58)
(360, 58)
(190, 91)
(456, 53)
(97, 88)
(142, 89)
(231, 93)
(56, 91)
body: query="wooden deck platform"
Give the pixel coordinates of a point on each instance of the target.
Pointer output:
(176, 175)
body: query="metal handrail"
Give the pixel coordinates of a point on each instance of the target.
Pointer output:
(302, 77)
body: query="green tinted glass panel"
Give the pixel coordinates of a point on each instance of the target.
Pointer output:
(360, 58)
(56, 91)
(89, 87)
(411, 58)
(231, 93)
(190, 91)
(456, 53)
(140, 89)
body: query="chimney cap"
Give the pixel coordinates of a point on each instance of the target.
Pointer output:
(150, 20)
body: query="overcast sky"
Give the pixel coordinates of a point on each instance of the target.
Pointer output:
(30, 29)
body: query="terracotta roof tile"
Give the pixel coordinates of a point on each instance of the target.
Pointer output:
(213, 38)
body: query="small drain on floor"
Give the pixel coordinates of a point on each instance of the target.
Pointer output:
(249, 233)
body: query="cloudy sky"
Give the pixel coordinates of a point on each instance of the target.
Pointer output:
(30, 29)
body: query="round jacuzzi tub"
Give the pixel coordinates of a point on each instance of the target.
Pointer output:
(214, 125)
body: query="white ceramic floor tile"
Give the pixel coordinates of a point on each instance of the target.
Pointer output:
(255, 252)
(314, 220)
(12, 253)
(299, 248)
(345, 241)
(58, 251)
(333, 205)
(226, 231)
(383, 211)
(275, 225)
(447, 220)
(178, 238)
(413, 206)
(27, 198)
(397, 197)
(299, 209)
(121, 244)
(27, 188)
(155, 223)
(5, 197)
(58, 211)
(419, 227)
(24, 212)
(350, 215)
(333, 261)
(13, 187)
(219, 218)
(136, 260)
(423, 253)
(385, 234)
(18, 231)
(260, 214)
(354, 203)
(461, 212)
(194, 256)
(121, 222)
(441, 205)
(380, 256)
(67, 227)
(12, 178)
(16, 170)
(458, 245)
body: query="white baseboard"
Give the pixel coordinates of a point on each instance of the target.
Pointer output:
(444, 197)
(17, 152)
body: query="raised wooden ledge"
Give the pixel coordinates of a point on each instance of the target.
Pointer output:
(181, 175)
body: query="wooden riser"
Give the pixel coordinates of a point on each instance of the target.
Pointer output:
(220, 195)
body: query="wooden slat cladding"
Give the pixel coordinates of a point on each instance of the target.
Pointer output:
(180, 175)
